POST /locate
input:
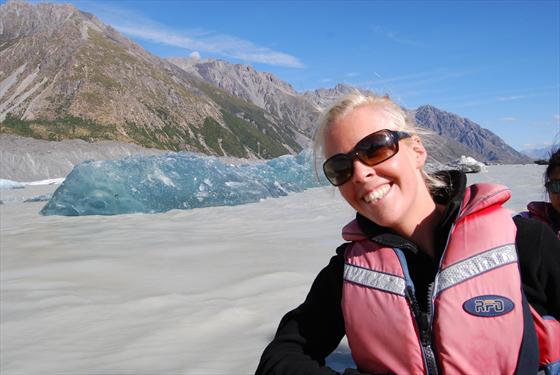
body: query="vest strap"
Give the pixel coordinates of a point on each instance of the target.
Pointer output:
(474, 266)
(374, 279)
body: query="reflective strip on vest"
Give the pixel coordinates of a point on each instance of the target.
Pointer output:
(374, 279)
(471, 267)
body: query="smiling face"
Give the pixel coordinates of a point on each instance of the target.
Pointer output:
(393, 193)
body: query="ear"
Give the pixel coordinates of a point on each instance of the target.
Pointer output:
(418, 151)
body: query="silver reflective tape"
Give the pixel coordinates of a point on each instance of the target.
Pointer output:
(374, 279)
(474, 266)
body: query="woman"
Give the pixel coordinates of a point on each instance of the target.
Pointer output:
(429, 279)
(549, 213)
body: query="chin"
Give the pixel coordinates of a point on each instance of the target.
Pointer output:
(383, 221)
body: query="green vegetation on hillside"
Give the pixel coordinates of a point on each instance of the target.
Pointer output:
(218, 138)
(253, 127)
(56, 130)
(253, 138)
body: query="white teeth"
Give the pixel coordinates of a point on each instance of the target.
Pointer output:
(377, 194)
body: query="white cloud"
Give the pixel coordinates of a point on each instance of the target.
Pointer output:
(512, 97)
(509, 119)
(396, 37)
(195, 55)
(199, 40)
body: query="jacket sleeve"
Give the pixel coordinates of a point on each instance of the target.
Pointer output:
(309, 333)
(539, 260)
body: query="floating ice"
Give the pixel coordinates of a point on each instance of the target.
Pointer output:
(469, 164)
(38, 198)
(9, 184)
(50, 181)
(175, 180)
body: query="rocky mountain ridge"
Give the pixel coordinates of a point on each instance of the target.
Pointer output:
(454, 135)
(484, 145)
(259, 88)
(64, 74)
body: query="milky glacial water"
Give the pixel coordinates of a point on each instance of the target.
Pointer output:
(183, 292)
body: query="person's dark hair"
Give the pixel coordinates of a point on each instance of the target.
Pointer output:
(553, 163)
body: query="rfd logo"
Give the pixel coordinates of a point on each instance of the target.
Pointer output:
(488, 305)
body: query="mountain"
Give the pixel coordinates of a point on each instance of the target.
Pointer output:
(64, 74)
(259, 88)
(486, 144)
(324, 97)
(454, 136)
(540, 153)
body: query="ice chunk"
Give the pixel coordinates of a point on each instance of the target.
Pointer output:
(9, 184)
(50, 181)
(469, 164)
(38, 198)
(176, 180)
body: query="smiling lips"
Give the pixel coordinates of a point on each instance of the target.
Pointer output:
(377, 194)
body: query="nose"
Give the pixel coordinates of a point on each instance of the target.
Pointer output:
(362, 172)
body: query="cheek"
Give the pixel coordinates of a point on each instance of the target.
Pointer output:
(350, 195)
(347, 192)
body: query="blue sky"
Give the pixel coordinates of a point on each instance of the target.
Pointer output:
(494, 62)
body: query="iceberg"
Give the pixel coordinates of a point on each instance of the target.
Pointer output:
(9, 184)
(150, 184)
(469, 164)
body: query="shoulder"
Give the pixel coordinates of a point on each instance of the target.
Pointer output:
(525, 214)
(535, 240)
(331, 275)
(529, 230)
(538, 250)
(341, 250)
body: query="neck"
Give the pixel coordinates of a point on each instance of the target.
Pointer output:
(424, 233)
(421, 231)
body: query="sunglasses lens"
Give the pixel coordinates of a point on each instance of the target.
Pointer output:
(338, 169)
(371, 150)
(377, 148)
(553, 186)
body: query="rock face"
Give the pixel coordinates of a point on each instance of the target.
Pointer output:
(259, 88)
(64, 74)
(323, 98)
(454, 136)
(487, 146)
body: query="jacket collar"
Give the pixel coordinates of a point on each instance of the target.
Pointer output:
(545, 212)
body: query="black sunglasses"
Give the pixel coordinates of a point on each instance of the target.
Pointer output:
(370, 150)
(553, 186)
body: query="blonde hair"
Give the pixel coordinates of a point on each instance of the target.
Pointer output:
(395, 113)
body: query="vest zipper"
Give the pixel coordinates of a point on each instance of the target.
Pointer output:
(423, 321)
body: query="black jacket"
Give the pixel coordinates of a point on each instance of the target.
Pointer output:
(309, 333)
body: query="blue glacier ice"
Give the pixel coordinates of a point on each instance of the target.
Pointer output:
(181, 180)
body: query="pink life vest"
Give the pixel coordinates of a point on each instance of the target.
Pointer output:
(476, 320)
